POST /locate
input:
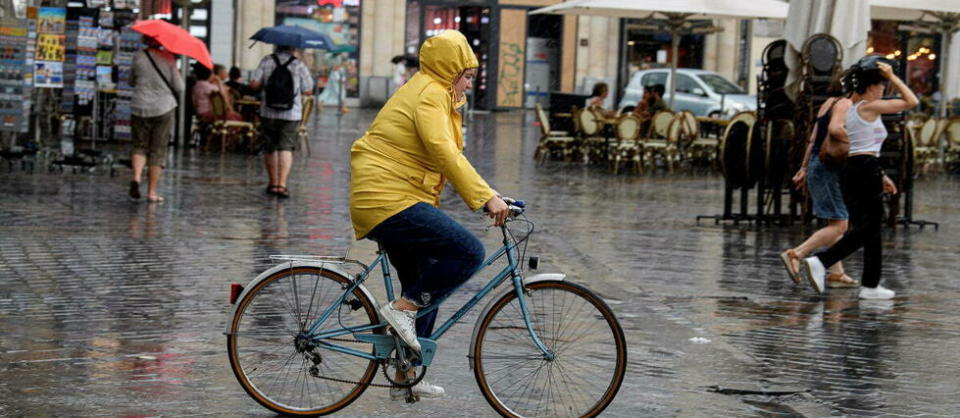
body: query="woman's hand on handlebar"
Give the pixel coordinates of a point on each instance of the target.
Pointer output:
(497, 210)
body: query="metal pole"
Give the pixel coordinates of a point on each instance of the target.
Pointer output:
(944, 61)
(675, 46)
(182, 108)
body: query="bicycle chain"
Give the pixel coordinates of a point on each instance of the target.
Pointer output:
(334, 379)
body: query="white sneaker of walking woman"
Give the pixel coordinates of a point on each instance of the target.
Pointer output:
(814, 272)
(403, 322)
(878, 292)
(421, 389)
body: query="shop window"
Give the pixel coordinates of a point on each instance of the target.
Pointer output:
(340, 20)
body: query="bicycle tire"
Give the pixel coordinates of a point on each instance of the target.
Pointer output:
(503, 331)
(256, 368)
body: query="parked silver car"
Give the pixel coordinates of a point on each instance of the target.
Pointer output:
(698, 91)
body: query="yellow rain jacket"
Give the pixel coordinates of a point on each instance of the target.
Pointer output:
(415, 143)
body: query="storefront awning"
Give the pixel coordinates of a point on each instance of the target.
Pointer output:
(698, 9)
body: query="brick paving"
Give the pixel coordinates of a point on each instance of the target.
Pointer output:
(109, 307)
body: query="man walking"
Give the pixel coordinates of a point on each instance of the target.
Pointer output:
(284, 80)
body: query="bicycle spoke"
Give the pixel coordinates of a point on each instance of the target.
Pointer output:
(275, 357)
(571, 326)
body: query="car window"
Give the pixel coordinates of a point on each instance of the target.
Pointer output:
(652, 79)
(686, 84)
(720, 85)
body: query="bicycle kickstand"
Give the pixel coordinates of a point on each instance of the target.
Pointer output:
(411, 397)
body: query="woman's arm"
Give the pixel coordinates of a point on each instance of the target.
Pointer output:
(801, 175)
(838, 119)
(432, 122)
(907, 99)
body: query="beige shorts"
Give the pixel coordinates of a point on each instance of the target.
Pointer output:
(151, 135)
(279, 135)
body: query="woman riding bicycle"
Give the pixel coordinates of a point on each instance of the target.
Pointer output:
(399, 168)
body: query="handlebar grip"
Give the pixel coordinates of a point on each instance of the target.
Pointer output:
(516, 206)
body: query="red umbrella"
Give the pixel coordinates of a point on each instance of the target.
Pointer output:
(175, 39)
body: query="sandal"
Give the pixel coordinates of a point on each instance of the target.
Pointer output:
(791, 261)
(282, 192)
(841, 280)
(272, 189)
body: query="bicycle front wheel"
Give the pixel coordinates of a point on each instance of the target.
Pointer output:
(278, 364)
(572, 322)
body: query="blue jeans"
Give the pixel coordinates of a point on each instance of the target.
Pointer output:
(432, 254)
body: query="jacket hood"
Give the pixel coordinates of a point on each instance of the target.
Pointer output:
(446, 55)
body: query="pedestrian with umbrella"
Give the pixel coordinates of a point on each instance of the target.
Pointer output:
(284, 80)
(157, 86)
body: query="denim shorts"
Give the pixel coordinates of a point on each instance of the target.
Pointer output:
(824, 186)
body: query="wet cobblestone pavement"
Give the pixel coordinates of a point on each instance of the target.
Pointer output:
(109, 307)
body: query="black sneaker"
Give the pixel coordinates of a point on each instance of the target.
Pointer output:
(135, 189)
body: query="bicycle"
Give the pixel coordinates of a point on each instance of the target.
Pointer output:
(306, 338)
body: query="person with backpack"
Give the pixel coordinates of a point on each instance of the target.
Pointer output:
(284, 80)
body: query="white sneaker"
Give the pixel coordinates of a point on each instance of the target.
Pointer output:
(403, 322)
(878, 292)
(422, 389)
(815, 272)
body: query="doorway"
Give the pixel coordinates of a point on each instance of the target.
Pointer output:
(426, 19)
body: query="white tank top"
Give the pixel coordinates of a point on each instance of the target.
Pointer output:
(864, 136)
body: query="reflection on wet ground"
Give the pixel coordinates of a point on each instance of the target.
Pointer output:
(117, 308)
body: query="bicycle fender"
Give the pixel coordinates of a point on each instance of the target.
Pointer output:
(325, 265)
(542, 277)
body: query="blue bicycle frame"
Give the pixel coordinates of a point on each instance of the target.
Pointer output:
(509, 249)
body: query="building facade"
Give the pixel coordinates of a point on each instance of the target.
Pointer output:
(522, 57)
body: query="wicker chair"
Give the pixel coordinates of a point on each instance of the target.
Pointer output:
(659, 142)
(593, 145)
(926, 146)
(952, 131)
(302, 130)
(693, 145)
(228, 129)
(552, 142)
(627, 147)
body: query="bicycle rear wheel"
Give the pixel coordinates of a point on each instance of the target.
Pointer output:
(577, 326)
(277, 365)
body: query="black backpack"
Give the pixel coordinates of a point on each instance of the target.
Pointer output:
(280, 91)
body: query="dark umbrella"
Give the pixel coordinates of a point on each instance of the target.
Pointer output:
(294, 36)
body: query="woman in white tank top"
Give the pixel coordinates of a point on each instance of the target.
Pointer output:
(862, 179)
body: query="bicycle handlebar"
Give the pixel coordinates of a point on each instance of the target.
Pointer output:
(516, 206)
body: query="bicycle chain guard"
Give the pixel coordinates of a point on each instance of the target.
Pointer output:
(384, 345)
